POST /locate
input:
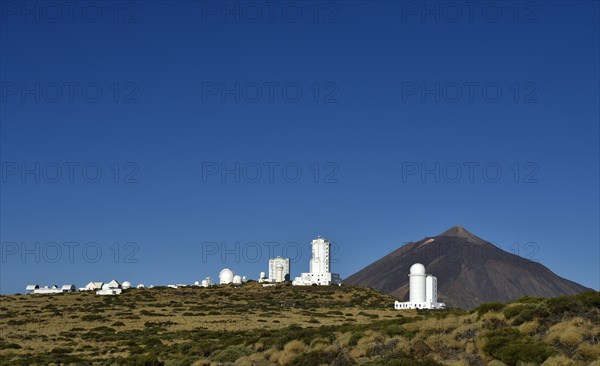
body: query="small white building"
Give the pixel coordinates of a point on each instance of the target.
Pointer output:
(111, 288)
(92, 286)
(423, 290)
(36, 289)
(68, 288)
(126, 285)
(109, 291)
(237, 280)
(30, 289)
(48, 290)
(320, 264)
(262, 277)
(113, 284)
(207, 282)
(279, 270)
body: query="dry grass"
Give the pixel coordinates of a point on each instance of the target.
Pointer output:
(366, 344)
(45, 317)
(589, 351)
(559, 360)
(289, 323)
(530, 327)
(570, 333)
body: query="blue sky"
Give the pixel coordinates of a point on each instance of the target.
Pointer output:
(142, 140)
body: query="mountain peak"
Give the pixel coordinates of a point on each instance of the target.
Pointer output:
(469, 271)
(461, 232)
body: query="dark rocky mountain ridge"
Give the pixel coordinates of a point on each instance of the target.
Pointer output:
(469, 269)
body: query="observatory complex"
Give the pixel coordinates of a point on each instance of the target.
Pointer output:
(423, 290)
(319, 266)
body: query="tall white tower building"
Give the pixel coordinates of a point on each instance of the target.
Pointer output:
(320, 265)
(320, 256)
(423, 290)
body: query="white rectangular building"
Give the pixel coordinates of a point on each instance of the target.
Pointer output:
(111, 288)
(320, 266)
(279, 270)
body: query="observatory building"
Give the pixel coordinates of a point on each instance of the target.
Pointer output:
(279, 270)
(423, 290)
(319, 266)
(226, 276)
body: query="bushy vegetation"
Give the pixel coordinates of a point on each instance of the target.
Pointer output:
(286, 325)
(489, 306)
(510, 346)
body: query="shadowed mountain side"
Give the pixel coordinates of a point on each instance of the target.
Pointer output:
(470, 271)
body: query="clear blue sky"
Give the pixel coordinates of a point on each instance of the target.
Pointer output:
(376, 93)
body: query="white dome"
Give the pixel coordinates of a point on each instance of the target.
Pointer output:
(244, 279)
(263, 275)
(204, 283)
(141, 285)
(196, 283)
(237, 280)
(225, 276)
(126, 284)
(417, 269)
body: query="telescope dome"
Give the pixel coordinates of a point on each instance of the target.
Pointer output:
(417, 269)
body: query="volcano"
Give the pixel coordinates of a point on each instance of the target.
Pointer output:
(470, 271)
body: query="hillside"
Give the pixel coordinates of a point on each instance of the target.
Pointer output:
(470, 271)
(284, 325)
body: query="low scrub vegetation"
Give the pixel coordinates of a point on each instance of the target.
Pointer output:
(284, 325)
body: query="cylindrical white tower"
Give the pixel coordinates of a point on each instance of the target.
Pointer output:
(279, 273)
(417, 283)
(431, 292)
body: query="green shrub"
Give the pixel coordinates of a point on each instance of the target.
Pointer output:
(141, 360)
(92, 318)
(151, 342)
(396, 329)
(17, 322)
(231, 354)
(524, 313)
(313, 358)
(355, 337)
(576, 303)
(510, 346)
(489, 306)
(403, 362)
(5, 345)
